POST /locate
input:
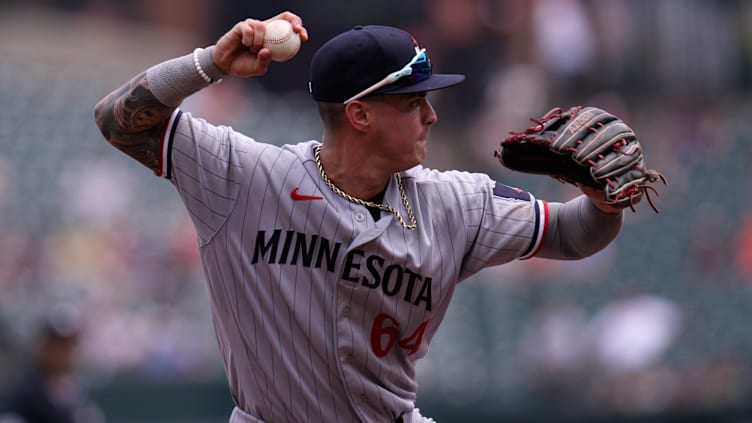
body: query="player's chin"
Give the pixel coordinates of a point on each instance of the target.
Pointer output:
(421, 151)
(410, 160)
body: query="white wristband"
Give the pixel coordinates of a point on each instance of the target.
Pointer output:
(174, 80)
(200, 70)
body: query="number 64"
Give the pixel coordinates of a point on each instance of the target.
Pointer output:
(385, 326)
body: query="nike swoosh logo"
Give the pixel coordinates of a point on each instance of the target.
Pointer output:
(297, 197)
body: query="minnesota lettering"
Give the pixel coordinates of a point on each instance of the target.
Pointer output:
(296, 248)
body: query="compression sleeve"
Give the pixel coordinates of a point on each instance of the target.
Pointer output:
(577, 229)
(176, 79)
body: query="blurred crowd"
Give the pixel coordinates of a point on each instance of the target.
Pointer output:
(658, 322)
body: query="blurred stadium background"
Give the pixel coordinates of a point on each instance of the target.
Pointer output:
(656, 328)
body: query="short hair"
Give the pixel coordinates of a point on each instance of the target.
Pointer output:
(332, 114)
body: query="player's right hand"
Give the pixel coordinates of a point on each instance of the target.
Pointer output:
(240, 51)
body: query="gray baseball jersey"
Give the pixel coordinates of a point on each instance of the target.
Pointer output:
(320, 311)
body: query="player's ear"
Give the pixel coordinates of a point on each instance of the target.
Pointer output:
(356, 113)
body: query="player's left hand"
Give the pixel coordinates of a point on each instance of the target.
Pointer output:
(241, 52)
(597, 198)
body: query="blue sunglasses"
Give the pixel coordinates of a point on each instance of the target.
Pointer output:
(416, 70)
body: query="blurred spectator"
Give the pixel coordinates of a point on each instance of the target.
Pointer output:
(48, 390)
(627, 340)
(459, 42)
(633, 333)
(564, 38)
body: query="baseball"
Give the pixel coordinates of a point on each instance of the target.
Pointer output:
(281, 40)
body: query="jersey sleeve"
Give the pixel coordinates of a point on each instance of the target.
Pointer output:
(203, 162)
(535, 214)
(504, 224)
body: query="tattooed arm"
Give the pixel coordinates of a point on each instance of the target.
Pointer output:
(131, 118)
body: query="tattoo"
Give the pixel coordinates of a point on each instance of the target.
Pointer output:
(131, 119)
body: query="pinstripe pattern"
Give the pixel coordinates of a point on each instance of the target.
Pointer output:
(298, 288)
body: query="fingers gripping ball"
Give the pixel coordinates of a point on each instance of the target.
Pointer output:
(584, 146)
(281, 40)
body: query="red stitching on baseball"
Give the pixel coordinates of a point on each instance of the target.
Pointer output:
(278, 40)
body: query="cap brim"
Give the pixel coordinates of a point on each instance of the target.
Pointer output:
(437, 81)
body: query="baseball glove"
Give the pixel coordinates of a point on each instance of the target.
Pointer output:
(584, 146)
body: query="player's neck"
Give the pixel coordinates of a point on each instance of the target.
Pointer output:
(353, 175)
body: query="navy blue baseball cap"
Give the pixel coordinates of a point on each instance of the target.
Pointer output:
(373, 59)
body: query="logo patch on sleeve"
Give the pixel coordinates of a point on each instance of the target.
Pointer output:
(505, 191)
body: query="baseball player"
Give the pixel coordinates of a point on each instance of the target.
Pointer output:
(331, 264)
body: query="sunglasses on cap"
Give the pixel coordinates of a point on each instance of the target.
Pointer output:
(417, 69)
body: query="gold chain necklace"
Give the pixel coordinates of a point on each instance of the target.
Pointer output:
(413, 224)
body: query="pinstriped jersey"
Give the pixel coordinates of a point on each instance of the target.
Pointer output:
(320, 311)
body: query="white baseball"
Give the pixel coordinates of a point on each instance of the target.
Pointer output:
(281, 40)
